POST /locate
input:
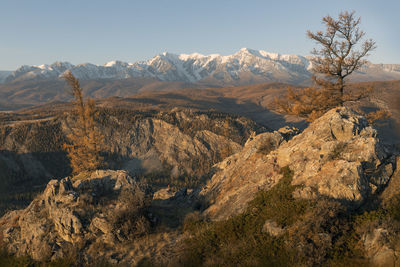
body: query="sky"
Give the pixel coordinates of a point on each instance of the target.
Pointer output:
(98, 31)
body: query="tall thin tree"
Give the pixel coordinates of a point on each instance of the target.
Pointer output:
(85, 140)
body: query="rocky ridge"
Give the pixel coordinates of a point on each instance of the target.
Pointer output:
(178, 143)
(104, 207)
(338, 156)
(156, 145)
(177, 147)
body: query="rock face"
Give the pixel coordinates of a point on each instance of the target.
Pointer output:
(107, 207)
(380, 242)
(142, 142)
(378, 248)
(240, 176)
(153, 145)
(180, 143)
(337, 156)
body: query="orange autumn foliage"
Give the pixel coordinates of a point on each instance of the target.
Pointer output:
(85, 140)
(340, 53)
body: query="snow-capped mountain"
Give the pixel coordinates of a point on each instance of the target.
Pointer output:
(244, 67)
(260, 65)
(3, 75)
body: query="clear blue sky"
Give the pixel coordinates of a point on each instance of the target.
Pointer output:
(97, 31)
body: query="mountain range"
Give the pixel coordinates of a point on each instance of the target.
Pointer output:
(4, 75)
(247, 66)
(36, 85)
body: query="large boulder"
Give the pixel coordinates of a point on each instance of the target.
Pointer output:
(378, 248)
(338, 156)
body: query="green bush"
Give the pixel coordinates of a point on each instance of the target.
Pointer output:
(240, 240)
(319, 232)
(265, 148)
(7, 260)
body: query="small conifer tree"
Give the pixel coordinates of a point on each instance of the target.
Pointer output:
(85, 140)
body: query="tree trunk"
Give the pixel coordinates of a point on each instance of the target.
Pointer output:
(341, 90)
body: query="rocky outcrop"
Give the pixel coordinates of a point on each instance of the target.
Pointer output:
(338, 160)
(153, 146)
(379, 249)
(380, 242)
(392, 188)
(240, 176)
(139, 141)
(338, 156)
(178, 143)
(272, 228)
(104, 207)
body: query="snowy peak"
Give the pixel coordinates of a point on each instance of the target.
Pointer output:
(294, 59)
(243, 67)
(254, 64)
(3, 75)
(34, 72)
(116, 63)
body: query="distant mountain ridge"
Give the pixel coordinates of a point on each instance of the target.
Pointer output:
(195, 67)
(244, 67)
(4, 74)
(34, 85)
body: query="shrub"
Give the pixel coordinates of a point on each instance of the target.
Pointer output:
(266, 147)
(240, 240)
(337, 151)
(130, 221)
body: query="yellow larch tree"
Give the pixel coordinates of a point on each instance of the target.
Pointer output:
(85, 141)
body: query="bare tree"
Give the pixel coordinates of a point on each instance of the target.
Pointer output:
(341, 50)
(340, 53)
(85, 141)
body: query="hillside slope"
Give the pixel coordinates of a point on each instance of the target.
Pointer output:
(325, 196)
(179, 145)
